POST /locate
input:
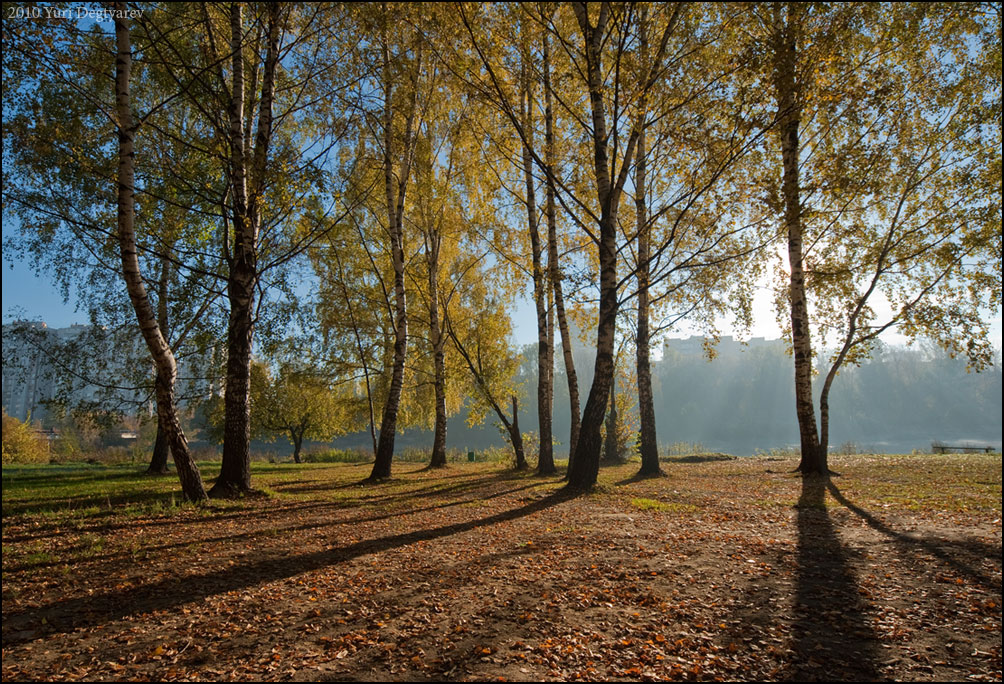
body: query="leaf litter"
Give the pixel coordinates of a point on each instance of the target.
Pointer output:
(741, 573)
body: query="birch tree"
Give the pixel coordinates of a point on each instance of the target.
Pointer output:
(889, 133)
(256, 79)
(188, 472)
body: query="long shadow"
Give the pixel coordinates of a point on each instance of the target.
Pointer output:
(72, 503)
(947, 551)
(247, 536)
(431, 489)
(64, 616)
(640, 477)
(366, 482)
(832, 636)
(83, 473)
(56, 528)
(428, 491)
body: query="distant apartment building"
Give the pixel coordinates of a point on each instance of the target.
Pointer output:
(30, 369)
(42, 363)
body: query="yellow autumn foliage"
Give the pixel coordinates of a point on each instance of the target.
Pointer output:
(22, 443)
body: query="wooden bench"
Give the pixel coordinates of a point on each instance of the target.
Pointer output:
(941, 448)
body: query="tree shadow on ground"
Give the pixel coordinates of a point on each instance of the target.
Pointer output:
(641, 477)
(100, 500)
(251, 534)
(84, 612)
(961, 556)
(434, 489)
(383, 489)
(832, 636)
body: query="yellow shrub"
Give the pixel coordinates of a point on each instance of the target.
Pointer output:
(21, 443)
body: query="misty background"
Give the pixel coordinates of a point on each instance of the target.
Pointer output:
(743, 401)
(740, 402)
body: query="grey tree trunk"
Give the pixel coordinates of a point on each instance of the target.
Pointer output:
(188, 472)
(388, 422)
(646, 404)
(610, 182)
(235, 473)
(585, 462)
(516, 437)
(610, 447)
(161, 449)
(438, 339)
(789, 113)
(649, 445)
(553, 265)
(395, 220)
(545, 460)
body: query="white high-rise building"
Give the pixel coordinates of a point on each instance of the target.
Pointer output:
(40, 363)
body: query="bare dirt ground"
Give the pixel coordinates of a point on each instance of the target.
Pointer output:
(732, 570)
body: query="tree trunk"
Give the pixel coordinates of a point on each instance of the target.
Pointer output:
(649, 445)
(235, 472)
(395, 220)
(297, 444)
(823, 466)
(789, 113)
(188, 471)
(516, 437)
(585, 463)
(610, 454)
(824, 394)
(388, 423)
(553, 266)
(161, 450)
(438, 339)
(545, 460)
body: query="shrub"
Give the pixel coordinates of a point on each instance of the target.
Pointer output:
(337, 456)
(491, 454)
(22, 443)
(779, 453)
(682, 449)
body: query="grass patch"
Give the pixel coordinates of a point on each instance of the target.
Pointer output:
(39, 558)
(643, 504)
(338, 456)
